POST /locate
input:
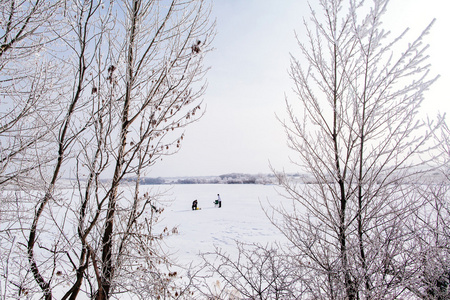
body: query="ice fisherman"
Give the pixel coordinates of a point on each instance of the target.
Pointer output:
(194, 204)
(219, 201)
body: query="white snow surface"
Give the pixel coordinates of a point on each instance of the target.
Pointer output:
(241, 218)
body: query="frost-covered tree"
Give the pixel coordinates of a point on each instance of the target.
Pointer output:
(430, 255)
(355, 130)
(131, 77)
(29, 83)
(153, 85)
(430, 225)
(252, 272)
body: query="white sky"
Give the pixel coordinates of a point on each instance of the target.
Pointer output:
(248, 80)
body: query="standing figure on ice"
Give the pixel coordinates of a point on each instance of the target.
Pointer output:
(194, 204)
(219, 201)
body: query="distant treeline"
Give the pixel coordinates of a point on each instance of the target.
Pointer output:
(232, 178)
(241, 178)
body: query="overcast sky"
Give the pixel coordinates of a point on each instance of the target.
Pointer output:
(248, 82)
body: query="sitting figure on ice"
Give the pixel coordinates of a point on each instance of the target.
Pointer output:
(194, 205)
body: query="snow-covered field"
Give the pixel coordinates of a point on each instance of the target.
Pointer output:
(241, 217)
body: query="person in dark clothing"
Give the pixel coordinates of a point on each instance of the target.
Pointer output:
(219, 201)
(194, 204)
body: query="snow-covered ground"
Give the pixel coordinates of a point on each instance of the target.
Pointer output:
(241, 217)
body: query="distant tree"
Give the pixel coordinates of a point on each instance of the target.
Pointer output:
(356, 132)
(158, 180)
(133, 76)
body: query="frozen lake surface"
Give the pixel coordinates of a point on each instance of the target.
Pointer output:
(240, 218)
